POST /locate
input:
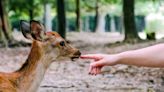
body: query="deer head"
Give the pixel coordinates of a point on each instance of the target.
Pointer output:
(50, 42)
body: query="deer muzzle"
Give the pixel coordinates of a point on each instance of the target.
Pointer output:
(76, 55)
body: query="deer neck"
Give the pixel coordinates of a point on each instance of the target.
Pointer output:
(33, 70)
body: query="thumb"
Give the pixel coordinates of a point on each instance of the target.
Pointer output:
(99, 63)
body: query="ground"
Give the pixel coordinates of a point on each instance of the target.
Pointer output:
(68, 76)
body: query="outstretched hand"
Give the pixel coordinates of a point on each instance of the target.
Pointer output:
(100, 60)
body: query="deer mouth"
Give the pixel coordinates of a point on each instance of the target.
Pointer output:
(74, 58)
(76, 55)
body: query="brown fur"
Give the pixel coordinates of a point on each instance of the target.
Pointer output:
(10, 82)
(20, 80)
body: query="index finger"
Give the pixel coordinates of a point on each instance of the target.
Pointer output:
(91, 56)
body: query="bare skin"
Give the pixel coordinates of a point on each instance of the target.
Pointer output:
(152, 56)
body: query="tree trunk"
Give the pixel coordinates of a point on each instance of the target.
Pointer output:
(86, 24)
(100, 20)
(97, 15)
(78, 21)
(112, 22)
(47, 17)
(129, 21)
(1, 33)
(31, 16)
(8, 26)
(100, 28)
(61, 18)
(4, 21)
(2, 39)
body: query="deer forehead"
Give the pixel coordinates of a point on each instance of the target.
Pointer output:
(53, 34)
(56, 36)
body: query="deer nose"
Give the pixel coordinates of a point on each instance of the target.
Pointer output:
(78, 53)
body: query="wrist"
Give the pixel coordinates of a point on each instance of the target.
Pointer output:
(120, 58)
(116, 59)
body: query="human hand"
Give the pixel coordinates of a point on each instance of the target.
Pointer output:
(100, 60)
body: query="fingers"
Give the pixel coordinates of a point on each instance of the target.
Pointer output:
(97, 70)
(91, 56)
(94, 70)
(95, 67)
(99, 63)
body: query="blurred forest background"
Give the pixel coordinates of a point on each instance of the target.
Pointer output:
(93, 26)
(126, 17)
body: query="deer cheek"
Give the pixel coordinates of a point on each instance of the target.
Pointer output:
(53, 45)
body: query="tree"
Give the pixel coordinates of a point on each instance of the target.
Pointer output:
(26, 9)
(4, 21)
(61, 18)
(94, 5)
(78, 22)
(97, 14)
(129, 21)
(47, 15)
(31, 11)
(97, 6)
(2, 38)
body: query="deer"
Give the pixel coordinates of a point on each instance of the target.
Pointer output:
(47, 47)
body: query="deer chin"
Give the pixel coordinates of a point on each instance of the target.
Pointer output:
(61, 58)
(69, 57)
(74, 58)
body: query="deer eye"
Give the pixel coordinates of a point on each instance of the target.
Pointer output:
(62, 43)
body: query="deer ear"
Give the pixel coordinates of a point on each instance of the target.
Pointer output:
(25, 28)
(37, 30)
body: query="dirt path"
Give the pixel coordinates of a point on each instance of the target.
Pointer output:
(68, 76)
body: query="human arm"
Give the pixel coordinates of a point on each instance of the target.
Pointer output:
(152, 56)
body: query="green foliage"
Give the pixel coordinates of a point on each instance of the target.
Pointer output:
(22, 7)
(155, 22)
(144, 8)
(19, 9)
(113, 8)
(70, 5)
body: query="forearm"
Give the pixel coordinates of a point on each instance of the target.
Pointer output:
(150, 57)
